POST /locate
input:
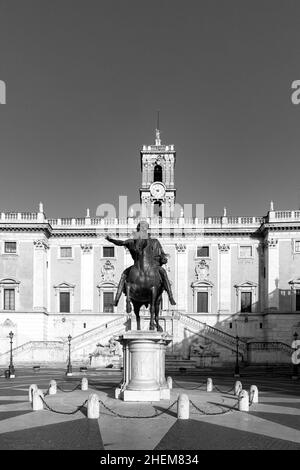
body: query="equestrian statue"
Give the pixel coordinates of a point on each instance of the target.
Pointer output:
(144, 282)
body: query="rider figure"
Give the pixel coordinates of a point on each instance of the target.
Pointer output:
(159, 256)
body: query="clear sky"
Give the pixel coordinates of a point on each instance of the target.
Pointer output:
(85, 79)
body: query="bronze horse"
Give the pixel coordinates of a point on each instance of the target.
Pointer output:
(144, 284)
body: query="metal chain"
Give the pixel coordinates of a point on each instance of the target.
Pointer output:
(224, 391)
(223, 412)
(68, 391)
(188, 388)
(64, 412)
(119, 415)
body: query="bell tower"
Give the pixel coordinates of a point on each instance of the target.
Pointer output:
(157, 193)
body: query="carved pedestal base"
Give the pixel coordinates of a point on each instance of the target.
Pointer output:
(144, 366)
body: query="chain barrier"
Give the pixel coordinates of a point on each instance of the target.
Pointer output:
(155, 415)
(68, 391)
(223, 412)
(45, 394)
(64, 412)
(223, 391)
(189, 388)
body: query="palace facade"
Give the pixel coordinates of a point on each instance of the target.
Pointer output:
(231, 276)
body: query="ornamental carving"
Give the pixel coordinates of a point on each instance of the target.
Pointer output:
(201, 270)
(223, 247)
(87, 248)
(180, 247)
(108, 271)
(271, 243)
(40, 244)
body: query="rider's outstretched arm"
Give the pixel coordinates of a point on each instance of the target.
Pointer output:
(116, 242)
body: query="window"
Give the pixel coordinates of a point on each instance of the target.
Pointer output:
(10, 247)
(246, 251)
(202, 302)
(157, 173)
(66, 252)
(230, 325)
(108, 302)
(202, 251)
(108, 252)
(157, 209)
(297, 246)
(9, 299)
(246, 301)
(64, 302)
(297, 300)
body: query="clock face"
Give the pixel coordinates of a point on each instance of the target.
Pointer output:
(157, 190)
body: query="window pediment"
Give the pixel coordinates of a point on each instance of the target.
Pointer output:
(202, 284)
(9, 282)
(64, 286)
(295, 281)
(247, 284)
(106, 284)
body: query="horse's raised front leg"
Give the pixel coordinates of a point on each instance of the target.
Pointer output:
(157, 305)
(152, 307)
(128, 304)
(136, 308)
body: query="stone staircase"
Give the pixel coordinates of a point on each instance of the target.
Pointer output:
(221, 338)
(39, 352)
(176, 364)
(56, 352)
(85, 343)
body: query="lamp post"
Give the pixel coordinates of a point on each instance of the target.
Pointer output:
(69, 366)
(237, 367)
(11, 366)
(294, 357)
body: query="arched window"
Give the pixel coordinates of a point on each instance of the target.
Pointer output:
(157, 209)
(157, 173)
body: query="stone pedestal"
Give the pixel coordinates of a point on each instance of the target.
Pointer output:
(144, 366)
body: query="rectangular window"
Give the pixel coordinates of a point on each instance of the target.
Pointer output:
(297, 300)
(9, 299)
(108, 302)
(66, 252)
(202, 302)
(108, 252)
(64, 302)
(297, 246)
(10, 247)
(245, 251)
(202, 251)
(246, 301)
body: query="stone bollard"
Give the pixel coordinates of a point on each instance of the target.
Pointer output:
(244, 401)
(209, 385)
(52, 387)
(183, 407)
(37, 403)
(84, 384)
(238, 387)
(93, 407)
(253, 394)
(170, 383)
(32, 388)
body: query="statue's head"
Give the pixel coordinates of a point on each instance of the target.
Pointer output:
(142, 226)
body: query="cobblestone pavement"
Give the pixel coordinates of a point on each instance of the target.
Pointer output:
(214, 422)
